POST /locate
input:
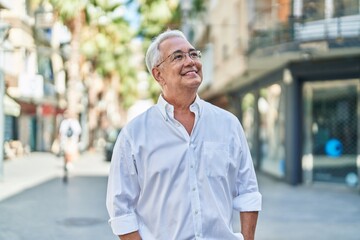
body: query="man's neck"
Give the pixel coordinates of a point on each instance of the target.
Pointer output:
(180, 102)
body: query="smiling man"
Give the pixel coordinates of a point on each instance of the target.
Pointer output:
(180, 169)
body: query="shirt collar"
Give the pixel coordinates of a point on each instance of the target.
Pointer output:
(167, 110)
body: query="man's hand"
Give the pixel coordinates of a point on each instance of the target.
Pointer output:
(130, 236)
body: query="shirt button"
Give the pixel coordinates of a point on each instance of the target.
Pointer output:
(196, 212)
(194, 189)
(191, 166)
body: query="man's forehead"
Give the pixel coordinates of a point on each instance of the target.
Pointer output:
(174, 44)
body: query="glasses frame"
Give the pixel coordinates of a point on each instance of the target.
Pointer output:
(183, 53)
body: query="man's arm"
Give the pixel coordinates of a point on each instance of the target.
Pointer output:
(248, 224)
(130, 236)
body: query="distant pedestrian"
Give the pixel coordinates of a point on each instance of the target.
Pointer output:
(180, 168)
(70, 131)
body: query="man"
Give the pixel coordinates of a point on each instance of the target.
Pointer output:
(179, 169)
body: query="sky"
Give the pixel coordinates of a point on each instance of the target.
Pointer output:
(132, 15)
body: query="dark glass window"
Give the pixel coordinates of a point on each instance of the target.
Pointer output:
(331, 131)
(313, 10)
(345, 8)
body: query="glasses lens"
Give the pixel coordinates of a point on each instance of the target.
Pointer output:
(194, 54)
(177, 56)
(180, 56)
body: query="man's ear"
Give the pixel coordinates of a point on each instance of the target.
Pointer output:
(157, 75)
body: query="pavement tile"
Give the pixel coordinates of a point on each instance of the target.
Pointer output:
(37, 167)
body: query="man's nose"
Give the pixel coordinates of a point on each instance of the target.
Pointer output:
(187, 58)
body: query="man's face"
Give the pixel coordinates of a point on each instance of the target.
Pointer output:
(176, 76)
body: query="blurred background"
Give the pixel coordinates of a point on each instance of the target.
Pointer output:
(288, 69)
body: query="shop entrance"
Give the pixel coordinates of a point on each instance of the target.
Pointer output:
(330, 131)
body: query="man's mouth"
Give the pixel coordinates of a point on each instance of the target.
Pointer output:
(191, 72)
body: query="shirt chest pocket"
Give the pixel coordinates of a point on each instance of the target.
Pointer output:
(216, 159)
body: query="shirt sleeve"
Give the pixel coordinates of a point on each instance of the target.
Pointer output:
(123, 188)
(248, 196)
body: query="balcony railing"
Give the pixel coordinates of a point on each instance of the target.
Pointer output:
(337, 32)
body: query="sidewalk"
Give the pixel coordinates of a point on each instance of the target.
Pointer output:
(320, 211)
(30, 170)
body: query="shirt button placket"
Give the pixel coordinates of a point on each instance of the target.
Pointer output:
(195, 199)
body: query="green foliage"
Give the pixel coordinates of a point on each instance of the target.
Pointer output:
(157, 16)
(104, 39)
(198, 6)
(67, 9)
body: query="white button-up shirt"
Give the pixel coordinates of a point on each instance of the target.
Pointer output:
(170, 185)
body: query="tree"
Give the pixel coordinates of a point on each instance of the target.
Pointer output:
(101, 36)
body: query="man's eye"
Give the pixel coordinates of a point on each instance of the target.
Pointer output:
(178, 56)
(193, 55)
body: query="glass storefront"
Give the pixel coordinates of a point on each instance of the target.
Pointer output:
(330, 131)
(248, 109)
(271, 108)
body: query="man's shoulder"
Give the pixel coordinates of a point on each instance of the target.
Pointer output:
(142, 118)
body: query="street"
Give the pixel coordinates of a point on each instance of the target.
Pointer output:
(48, 209)
(54, 210)
(321, 211)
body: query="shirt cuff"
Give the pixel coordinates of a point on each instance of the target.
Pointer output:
(124, 224)
(248, 202)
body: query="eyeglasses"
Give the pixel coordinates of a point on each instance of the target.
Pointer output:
(179, 56)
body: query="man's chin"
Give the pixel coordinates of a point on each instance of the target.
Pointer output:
(196, 83)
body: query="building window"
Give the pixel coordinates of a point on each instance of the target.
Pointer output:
(345, 8)
(225, 52)
(313, 10)
(248, 109)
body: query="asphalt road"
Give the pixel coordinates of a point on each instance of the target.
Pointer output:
(54, 210)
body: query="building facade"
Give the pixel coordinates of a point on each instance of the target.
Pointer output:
(31, 64)
(297, 93)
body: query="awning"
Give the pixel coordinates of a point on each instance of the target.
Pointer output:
(11, 107)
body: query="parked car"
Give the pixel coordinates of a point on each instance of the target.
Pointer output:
(110, 142)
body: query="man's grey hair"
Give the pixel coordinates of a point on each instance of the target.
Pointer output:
(153, 55)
